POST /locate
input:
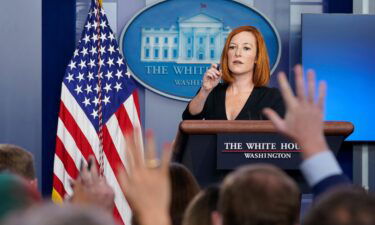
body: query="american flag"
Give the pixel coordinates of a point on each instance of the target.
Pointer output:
(99, 105)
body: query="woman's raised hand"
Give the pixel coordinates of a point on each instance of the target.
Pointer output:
(211, 78)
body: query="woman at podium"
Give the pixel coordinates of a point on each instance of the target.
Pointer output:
(245, 72)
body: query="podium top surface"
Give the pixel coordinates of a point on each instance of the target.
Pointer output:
(340, 128)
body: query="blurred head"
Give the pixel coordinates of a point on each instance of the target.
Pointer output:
(184, 188)
(17, 160)
(258, 194)
(346, 206)
(50, 214)
(245, 52)
(15, 194)
(201, 207)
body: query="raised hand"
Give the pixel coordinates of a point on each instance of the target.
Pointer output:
(303, 120)
(146, 183)
(211, 78)
(92, 189)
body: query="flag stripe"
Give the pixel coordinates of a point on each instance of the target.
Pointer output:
(124, 121)
(84, 125)
(58, 186)
(68, 162)
(117, 137)
(79, 138)
(62, 176)
(69, 143)
(110, 152)
(117, 216)
(132, 111)
(136, 102)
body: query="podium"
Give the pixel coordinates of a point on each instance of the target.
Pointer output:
(213, 148)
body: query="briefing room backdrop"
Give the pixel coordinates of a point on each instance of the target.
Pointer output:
(39, 37)
(21, 76)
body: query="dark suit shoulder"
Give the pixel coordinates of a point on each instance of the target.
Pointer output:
(329, 183)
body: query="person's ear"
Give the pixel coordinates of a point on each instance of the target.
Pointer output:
(216, 218)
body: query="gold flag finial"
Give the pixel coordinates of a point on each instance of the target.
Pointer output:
(100, 3)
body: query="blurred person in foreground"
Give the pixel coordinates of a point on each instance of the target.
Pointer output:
(201, 207)
(343, 206)
(50, 214)
(258, 194)
(18, 183)
(17, 160)
(16, 194)
(184, 188)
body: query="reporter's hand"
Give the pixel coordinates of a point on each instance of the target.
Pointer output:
(92, 189)
(146, 183)
(211, 78)
(303, 120)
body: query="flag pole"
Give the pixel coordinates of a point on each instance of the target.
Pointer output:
(100, 112)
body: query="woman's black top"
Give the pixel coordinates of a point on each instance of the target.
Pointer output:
(260, 98)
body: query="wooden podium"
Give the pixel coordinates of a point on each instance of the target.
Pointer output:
(212, 148)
